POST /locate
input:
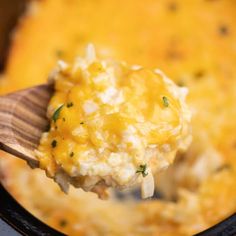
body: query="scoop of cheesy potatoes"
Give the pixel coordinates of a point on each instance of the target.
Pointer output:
(112, 125)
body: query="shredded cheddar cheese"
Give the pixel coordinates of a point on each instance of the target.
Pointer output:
(112, 125)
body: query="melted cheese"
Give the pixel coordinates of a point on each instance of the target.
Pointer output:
(113, 120)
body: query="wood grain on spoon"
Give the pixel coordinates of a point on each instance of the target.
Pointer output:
(23, 120)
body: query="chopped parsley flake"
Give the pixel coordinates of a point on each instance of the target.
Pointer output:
(199, 74)
(63, 223)
(59, 53)
(56, 114)
(54, 143)
(165, 101)
(143, 170)
(172, 6)
(223, 30)
(71, 154)
(180, 83)
(70, 104)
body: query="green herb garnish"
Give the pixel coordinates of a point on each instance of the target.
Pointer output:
(165, 101)
(82, 123)
(143, 170)
(199, 74)
(70, 104)
(173, 7)
(59, 53)
(180, 83)
(56, 114)
(54, 143)
(71, 154)
(63, 223)
(224, 30)
(64, 119)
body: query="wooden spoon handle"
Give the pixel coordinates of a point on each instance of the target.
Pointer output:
(22, 121)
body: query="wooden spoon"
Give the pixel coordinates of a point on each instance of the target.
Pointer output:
(23, 120)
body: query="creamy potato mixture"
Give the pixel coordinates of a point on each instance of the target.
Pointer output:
(193, 42)
(112, 125)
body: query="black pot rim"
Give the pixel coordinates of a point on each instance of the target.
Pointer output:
(26, 224)
(20, 219)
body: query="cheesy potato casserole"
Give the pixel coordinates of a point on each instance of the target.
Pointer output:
(112, 125)
(194, 43)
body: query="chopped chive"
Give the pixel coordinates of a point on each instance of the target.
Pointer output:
(173, 7)
(180, 83)
(143, 170)
(199, 74)
(165, 101)
(224, 30)
(63, 223)
(70, 104)
(56, 114)
(71, 154)
(59, 53)
(54, 143)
